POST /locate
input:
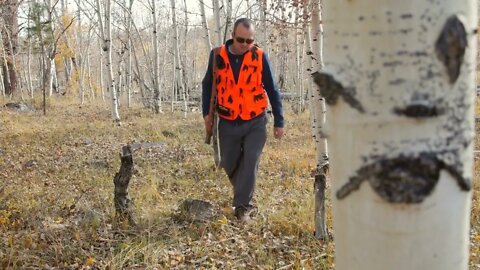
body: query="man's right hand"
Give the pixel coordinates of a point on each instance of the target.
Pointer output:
(208, 124)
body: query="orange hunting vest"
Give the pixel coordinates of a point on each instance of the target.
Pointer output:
(246, 98)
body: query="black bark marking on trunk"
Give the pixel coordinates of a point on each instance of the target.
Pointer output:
(331, 89)
(404, 179)
(450, 47)
(420, 109)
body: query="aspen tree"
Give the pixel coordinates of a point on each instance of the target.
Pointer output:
(399, 82)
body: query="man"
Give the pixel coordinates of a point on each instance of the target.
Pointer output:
(243, 75)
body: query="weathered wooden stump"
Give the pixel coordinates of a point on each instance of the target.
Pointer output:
(123, 204)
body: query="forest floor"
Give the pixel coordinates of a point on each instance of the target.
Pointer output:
(56, 195)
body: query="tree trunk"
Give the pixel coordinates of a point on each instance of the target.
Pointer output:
(208, 42)
(156, 84)
(80, 55)
(218, 24)
(399, 82)
(318, 120)
(101, 72)
(228, 21)
(129, 56)
(177, 57)
(29, 56)
(263, 17)
(9, 31)
(107, 48)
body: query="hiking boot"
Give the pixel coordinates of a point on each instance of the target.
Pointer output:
(244, 213)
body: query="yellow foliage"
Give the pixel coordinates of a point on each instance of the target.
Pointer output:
(90, 261)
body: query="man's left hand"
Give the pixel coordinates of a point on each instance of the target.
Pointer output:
(278, 132)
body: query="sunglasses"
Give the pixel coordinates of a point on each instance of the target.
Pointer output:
(243, 40)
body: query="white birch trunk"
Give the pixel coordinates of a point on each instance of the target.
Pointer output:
(80, 55)
(129, 56)
(228, 21)
(174, 83)
(208, 42)
(399, 82)
(29, 56)
(101, 71)
(107, 48)
(2, 87)
(185, 73)
(5, 63)
(218, 24)
(51, 75)
(318, 120)
(263, 34)
(177, 57)
(89, 74)
(298, 79)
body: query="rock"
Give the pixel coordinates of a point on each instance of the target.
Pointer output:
(192, 210)
(88, 142)
(20, 107)
(169, 134)
(30, 164)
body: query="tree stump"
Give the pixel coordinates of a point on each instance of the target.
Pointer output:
(123, 204)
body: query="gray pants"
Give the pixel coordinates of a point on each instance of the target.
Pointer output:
(240, 148)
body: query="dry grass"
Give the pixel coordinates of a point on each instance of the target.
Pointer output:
(56, 199)
(56, 192)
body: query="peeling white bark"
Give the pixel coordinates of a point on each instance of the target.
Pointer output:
(401, 131)
(107, 48)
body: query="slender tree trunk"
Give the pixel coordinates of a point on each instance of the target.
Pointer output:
(228, 21)
(263, 18)
(156, 84)
(89, 74)
(9, 32)
(185, 70)
(174, 83)
(107, 48)
(218, 24)
(318, 120)
(2, 87)
(29, 56)
(208, 42)
(101, 72)
(129, 56)
(80, 55)
(177, 58)
(298, 79)
(400, 90)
